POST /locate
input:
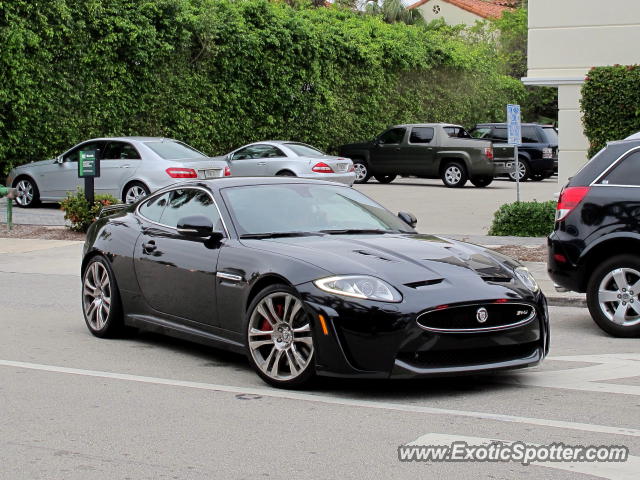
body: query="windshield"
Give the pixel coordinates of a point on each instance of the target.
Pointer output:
(304, 150)
(172, 150)
(299, 207)
(552, 135)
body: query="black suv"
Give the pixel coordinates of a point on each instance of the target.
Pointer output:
(595, 247)
(538, 153)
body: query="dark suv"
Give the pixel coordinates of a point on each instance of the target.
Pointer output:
(595, 247)
(538, 153)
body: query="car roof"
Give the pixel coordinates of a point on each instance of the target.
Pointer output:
(503, 124)
(133, 139)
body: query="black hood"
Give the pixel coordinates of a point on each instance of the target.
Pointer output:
(354, 146)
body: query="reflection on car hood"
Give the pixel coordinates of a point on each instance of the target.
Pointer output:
(400, 259)
(39, 163)
(354, 146)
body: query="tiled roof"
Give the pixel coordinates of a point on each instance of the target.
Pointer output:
(482, 8)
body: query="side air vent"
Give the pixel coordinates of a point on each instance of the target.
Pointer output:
(497, 279)
(424, 283)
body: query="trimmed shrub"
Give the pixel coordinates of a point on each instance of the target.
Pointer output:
(524, 219)
(610, 104)
(78, 211)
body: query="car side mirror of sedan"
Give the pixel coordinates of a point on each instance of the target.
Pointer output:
(198, 226)
(408, 218)
(59, 160)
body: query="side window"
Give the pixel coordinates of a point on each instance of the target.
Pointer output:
(456, 132)
(482, 132)
(627, 172)
(392, 137)
(187, 202)
(421, 135)
(530, 135)
(120, 151)
(244, 153)
(500, 134)
(272, 152)
(152, 209)
(72, 156)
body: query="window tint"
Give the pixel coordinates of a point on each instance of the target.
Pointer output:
(421, 135)
(393, 136)
(258, 151)
(120, 151)
(172, 150)
(530, 135)
(627, 172)
(187, 202)
(304, 150)
(500, 134)
(552, 135)
(72, 156)
(457, 132)
(152, 209)
(481, 132)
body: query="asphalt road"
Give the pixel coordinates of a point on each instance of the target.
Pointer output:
(77, 407)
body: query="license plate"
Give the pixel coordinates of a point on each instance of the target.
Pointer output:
(342, 167)
(214, 173)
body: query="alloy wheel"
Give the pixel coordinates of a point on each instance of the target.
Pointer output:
(134, 193)
(280, 339)
(522, 171)
(96, 295)
(25, 193)
(361, 171)
(453, 174)
(619, 296)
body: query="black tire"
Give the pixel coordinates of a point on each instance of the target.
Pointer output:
(308, 372)
(134, 191)
(113, 323)
(385, 178)
(363, 174)
(524, 168)
(538, 177)
(29, 195)
(604, 273)
(482, 182)
(454, 175)
(285, 173)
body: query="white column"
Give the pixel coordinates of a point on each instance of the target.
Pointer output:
(573, 145)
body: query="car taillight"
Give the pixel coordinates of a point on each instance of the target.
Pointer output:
(227, 172)
(569, 199)
(547, 153)
(175, 172)
(488, 151)
(351, 168)
(322, 168)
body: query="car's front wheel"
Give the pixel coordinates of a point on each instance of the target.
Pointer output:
(101, 299)
(454, 175)
(28, 193)
(134, 192)
(524, 171)
(279, 337)
(613, 296)
(362, 171)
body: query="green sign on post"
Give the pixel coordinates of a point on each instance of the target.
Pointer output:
(88, 166)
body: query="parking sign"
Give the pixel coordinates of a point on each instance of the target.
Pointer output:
(513, 125)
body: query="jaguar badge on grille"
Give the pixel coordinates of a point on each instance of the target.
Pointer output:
(482, 315)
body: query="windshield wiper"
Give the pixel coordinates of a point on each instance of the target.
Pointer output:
(279, 234)
(354, 231)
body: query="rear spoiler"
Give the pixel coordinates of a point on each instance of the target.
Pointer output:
(111, 209)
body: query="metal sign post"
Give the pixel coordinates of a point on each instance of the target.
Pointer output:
(89, 168)
(515, 139)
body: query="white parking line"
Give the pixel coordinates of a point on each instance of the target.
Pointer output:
(617, 470)
(330, 400)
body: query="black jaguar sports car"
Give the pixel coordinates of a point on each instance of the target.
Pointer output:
(308, 277)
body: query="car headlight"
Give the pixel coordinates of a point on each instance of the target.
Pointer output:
(524, 275)
(359, 286)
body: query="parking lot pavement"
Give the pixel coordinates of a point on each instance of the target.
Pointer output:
(48, 214)
(146, 406)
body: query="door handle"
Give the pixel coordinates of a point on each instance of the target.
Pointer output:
(149, 247)
(261, 164)
(125, 166)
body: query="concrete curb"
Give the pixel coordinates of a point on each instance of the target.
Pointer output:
(567, 302)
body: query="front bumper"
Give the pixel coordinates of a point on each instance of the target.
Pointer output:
(382, 340)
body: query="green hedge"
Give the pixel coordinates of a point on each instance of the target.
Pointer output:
(524, 219)
(610, 104)
(220, 73)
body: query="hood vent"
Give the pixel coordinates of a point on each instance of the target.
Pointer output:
(424, 283)
(497, 279)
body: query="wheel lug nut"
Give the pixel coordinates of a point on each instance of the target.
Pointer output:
(624, 303)
(619, 296)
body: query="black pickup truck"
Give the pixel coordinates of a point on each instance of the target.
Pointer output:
(538, 153)
(426, 150)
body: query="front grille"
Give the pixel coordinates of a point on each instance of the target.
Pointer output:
(476, 317)
(470, 356)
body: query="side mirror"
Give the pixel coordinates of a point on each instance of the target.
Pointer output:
(197, 226)
(408, 218)
(59, 160)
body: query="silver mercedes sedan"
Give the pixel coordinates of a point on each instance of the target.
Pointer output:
(294, 159)
(130, 168)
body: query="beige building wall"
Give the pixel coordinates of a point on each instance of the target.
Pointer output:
(566, 39)
(452, 14)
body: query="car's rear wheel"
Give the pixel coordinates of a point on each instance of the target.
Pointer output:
(524, 171)
(613, 296)
(362, 171)
(454, 175)
(134, 192)
(538, 177)
(28, 193)
(482, 182)
(279, 337)
(385, 178)
(101, 299)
